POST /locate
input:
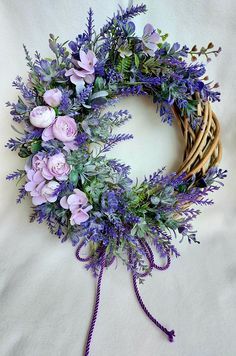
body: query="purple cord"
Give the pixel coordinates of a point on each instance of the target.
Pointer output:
(104, 263)
(96, 306)
(171, 333)
(150, 257)
(81, 259)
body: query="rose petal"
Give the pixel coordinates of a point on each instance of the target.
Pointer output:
(38, 178)
(89, 79)
(83, 56)
(48, 134)
(79, 217)
(63, 203)
(38, 200)
(46, 174)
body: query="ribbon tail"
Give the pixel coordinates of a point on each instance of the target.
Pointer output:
(96, 306)
(170, 334)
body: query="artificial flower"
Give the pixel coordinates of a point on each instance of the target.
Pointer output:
(86, 70)
(64, 129)
(52, 97)
(57, 168)
(78, 205)
(150, 39)
(42, 116)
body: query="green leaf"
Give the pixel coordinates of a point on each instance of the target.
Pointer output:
(136, 60)
(151, 66)
(99, 84)
(155, 200)
(124, 65)
(164, 37)
(35, 146)
(24, 152)
(74, 177)
(99, 94)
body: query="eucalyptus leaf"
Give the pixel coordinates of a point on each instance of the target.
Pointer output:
(99, 94)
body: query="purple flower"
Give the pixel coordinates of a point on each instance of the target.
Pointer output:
(42, 116)
(52, 97)
(49, 190)
(35, 183)
(53, 167)
(78, 205)
(39, 161)
(40, 191)
(64, 129)
(150, 40)
(86, 70)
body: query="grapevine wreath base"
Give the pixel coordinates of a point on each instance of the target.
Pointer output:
(88, 198)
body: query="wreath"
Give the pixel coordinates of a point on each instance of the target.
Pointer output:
(75, 188)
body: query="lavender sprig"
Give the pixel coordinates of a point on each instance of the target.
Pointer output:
(114, 140)
(16, 175)
(123, 15)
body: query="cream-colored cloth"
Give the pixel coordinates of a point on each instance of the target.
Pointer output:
(46, 295)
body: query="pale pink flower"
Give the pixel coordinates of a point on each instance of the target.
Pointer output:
(57, 168)
(34, 185)
(48, 191)
(78, 205)
(85, 71)
(40, 191)
(64, 129)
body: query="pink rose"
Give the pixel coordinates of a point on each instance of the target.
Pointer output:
(49, 167)
(78, 205)
(42, 116)
(64, 129)
(57, 168)
(52, 97)
(150, 39)
(86, 68)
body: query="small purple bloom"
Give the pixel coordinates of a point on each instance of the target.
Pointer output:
(86, 70)
(34, 185)
(40, 191)
(78, 205)
(150, 40)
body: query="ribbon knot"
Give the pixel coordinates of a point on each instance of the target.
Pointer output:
(104, 263)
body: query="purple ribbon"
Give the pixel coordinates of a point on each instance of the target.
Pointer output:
(105, 262)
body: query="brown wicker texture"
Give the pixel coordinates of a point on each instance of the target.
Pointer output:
(203, 148)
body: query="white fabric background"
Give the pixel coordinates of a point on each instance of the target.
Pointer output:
(46, 294)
